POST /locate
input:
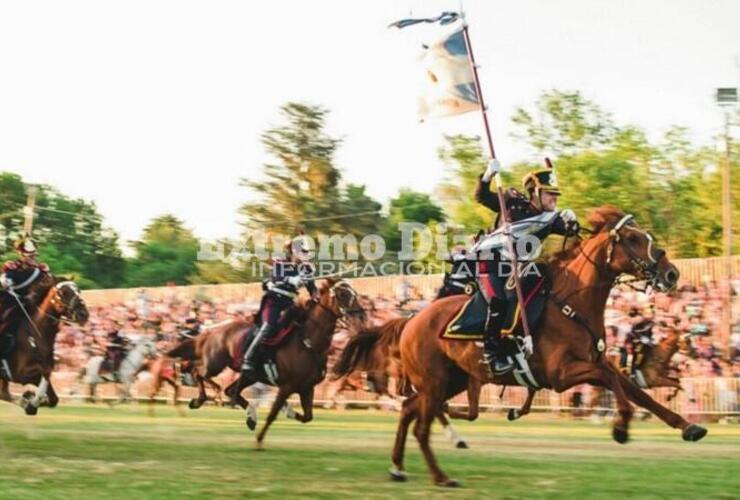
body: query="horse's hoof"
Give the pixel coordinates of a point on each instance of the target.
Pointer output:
(194, 404)
(448, 483)
(462, 445)
(398, 475)
(694, 432)
(32, 409)
(513, 414)
(621, 436)
(251, 423)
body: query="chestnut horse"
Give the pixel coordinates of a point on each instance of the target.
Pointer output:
(32, 360)
(375, 351)
(568, 342)
(301, 359)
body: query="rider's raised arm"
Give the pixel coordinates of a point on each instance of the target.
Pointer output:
(485, 197)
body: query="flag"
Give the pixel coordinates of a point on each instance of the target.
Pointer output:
(443, 18)
(448, 84)
(447, 81)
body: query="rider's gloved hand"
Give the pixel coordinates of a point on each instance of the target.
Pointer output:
(5, 281)
(494, 167)
(568, 215)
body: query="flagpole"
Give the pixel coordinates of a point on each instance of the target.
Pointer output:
(499, 185)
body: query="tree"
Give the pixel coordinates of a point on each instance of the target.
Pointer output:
(301, 186)
(166, 253)
(70, 233)
(563, 123)
(360, 212)
(465, 161)
(409, 206)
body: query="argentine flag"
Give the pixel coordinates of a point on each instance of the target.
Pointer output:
(447, 82)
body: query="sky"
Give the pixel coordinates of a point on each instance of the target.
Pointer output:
(156, 106)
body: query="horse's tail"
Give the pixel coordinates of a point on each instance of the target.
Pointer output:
(184, 350)
(356, 354)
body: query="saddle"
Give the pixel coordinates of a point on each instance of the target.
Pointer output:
(266, 356)
(470, 321)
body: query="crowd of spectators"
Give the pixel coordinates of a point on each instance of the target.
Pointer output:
(691, 310)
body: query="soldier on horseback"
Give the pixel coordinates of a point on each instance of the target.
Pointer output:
(637, 345)
(16, 278)
(115, 349)
(533, 215)
(289, 274)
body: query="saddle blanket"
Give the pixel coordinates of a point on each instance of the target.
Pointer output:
(265, 362)
(470, 322)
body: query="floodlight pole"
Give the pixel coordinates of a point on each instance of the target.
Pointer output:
(727, 98)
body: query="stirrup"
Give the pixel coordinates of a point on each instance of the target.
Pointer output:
(501, 367)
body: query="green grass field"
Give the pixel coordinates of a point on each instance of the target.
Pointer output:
(94, 452)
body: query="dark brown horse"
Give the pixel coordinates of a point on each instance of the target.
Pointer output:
(375, 351)
(300, 360)
(568, 343)
(656, 370)
(211, 352)
(168, 369)
(32, 361)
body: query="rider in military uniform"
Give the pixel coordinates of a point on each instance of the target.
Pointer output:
(535, 214)
(17, 276)
(191, 329)
(289, 274)
(461, 274)
(638, 343)
(115, 349)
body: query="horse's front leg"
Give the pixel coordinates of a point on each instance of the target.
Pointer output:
(691, 432)
(5, 391)
(307, 406)
(515, 413)
(32, 405)
(277, 405)
(600, 374)
(51, 396)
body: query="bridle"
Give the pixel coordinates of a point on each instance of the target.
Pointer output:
(344, 310)
(648, 269)
(58, 304)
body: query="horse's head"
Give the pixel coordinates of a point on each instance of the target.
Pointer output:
(338, 296)
(632, 250)
(65, 301)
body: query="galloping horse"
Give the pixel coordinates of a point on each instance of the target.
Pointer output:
(568, 343)
(656, 370)
(301, 360)
(32, 361)
(134, 362)
(167, 368)
(214, 350)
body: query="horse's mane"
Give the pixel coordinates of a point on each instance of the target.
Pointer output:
(601, 219)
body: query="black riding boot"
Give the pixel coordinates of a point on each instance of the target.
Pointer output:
(248, 366)
(496, 350)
